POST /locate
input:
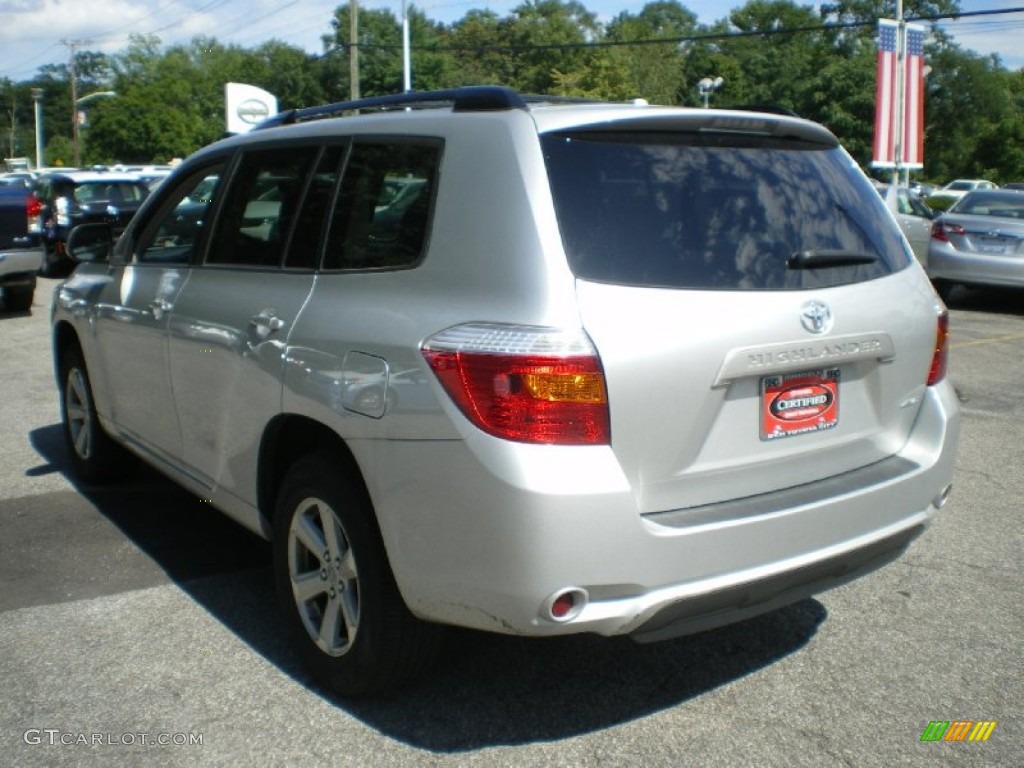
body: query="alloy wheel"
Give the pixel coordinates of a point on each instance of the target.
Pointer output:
(80, 425)
(323, 575)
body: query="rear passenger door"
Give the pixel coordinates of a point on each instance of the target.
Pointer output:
(233, 316)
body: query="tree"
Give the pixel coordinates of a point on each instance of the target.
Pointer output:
(973, 117)
(171, 102)
(474, 41)
(775, 67)
(542, 35)
(819, 63)
(657, 72)
(380, 50)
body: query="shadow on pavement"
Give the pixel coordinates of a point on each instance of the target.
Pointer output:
(486, 690)
(1003, 301)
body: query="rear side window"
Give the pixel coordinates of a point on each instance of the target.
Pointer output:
(382, 215)
(260, 207)
(716, 211)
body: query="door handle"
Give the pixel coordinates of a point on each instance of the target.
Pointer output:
(159, 306)
(266, 322)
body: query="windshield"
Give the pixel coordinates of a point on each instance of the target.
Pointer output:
(716, 211)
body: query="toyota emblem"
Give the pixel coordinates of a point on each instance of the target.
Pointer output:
(816, 317)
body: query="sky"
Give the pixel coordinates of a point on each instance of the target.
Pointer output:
(32, 32)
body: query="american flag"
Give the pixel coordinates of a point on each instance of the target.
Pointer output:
(887, 97)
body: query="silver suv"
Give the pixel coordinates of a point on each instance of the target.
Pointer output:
(531, 367)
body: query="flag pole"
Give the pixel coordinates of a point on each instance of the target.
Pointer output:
(901, 85)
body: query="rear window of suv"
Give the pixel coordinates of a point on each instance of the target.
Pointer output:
(110, 192)
(716, 211)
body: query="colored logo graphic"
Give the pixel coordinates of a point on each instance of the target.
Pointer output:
(958, 730)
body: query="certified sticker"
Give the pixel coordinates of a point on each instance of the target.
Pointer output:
(798, 403)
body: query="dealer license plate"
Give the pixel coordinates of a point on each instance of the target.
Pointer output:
(799, 403)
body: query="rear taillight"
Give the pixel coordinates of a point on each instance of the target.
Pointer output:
(941, 230)
(938, 370)
(524, 383)
(33, 210)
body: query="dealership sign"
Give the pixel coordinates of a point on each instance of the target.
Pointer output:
(246, 106)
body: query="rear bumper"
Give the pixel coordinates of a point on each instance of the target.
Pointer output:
(18, 266)
(486, 535)
(947, 263)
(726, 606)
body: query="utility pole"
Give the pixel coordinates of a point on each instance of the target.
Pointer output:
(406, 57)
(37, 98)
(73, 46)
(14, 126)
(353, 49)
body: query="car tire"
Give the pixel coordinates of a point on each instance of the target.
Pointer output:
(96, 458)
(51, 262)
(19, 299)
(49, 267)
(352, 629)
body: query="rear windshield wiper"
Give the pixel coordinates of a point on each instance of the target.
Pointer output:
(823, 259)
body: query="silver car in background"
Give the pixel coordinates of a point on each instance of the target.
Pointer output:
(912, 214)
(979, 241)
(525, 366)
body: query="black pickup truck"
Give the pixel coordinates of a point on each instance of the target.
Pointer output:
(21, 247)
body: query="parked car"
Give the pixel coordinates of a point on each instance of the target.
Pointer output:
(152, 175)
(78, 197)
(614, 368)
(960, 187)
(16, 180)
(979, 241)
(1018, 185)
(21, 251)
(913, 215)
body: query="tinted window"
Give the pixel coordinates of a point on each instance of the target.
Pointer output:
(113, 193)
(714, 211)
(260, 206)
(382, 215)
(173, 235)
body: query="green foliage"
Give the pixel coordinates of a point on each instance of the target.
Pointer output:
(939, 202)
(58, 152)
(657, 72)
(771, 52)
(380, 39)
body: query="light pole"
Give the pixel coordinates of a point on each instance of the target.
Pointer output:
(75, 138)
(706, 86)
(406, 59)
(37, 97)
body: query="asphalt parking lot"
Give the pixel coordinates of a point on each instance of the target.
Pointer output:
(134, 615)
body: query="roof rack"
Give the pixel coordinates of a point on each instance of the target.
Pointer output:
(470, 98)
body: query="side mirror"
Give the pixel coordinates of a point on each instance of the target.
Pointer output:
(90, 242)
